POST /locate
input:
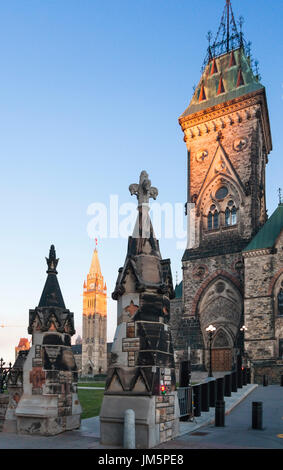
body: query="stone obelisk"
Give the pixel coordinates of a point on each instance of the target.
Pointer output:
(49, 404)
(141, 375)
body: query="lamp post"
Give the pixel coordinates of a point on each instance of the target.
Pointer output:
(210, 330)
(243, 329)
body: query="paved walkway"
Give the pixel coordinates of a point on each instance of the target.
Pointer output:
(87, 437)
(238, 432)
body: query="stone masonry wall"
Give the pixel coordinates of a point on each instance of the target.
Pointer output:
(263, 280)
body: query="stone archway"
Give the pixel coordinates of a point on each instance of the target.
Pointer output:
(221, 304)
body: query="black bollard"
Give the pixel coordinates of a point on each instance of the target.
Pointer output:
(227, 385)
(184, 374)
(197, 400)
(265, 380)
(220, 413)
(281, 380)
(245, 379)
(248, 375)
(220, 389)
(240, 378)
(204, 396)
(257, 415)
(212, 393)
(234, 381)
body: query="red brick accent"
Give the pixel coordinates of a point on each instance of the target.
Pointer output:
(273, 281)
(204, 285)
(37, 377)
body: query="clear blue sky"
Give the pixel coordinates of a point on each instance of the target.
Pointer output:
(90, 95)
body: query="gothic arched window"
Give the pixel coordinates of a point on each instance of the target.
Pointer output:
(230, 214)
(280, 302)
(213, 218)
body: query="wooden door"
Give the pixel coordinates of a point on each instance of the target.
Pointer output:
(221, 360)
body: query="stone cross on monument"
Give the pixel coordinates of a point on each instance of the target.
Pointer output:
(144, 191)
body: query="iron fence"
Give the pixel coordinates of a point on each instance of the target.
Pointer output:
(185, 402)
(4, 375)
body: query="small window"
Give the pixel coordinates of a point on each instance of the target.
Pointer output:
(209, 221)
(234, 216)
(215, 220)
(221, 193)
(227, 217)
(280, 302)
(230, 216)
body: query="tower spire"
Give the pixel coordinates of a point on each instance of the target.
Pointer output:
(228, 37)
(228, 23)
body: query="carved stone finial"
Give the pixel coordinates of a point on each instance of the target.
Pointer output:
(52, 261)
(144, 191)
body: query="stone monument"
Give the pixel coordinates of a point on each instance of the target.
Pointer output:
(141, 375)
(49, 403)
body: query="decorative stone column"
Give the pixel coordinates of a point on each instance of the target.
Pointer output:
(141, 375)
(49, 404)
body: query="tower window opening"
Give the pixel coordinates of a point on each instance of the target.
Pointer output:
(213, 218)
(230, 215)
(280, 302)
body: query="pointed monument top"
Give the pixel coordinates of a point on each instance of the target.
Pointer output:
(51, 295)
(52, 261)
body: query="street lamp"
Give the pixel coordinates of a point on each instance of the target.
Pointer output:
(210, 330)
(243, 329)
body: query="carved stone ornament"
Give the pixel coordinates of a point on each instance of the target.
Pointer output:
(199, 272)
(144, 191)
(267, 267)
(240, 144)
(201, 156)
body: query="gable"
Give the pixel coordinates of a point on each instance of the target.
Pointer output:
(221, 171)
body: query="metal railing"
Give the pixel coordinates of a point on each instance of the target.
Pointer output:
(185, 402)
(4, 375)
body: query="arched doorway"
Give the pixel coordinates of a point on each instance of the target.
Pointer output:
(221, 352)
(221, 305)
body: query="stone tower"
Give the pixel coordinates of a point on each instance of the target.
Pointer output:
(94, 344)
(227, 133)
(141, 375)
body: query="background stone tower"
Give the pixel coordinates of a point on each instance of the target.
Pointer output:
(94, 345)
(227, 134)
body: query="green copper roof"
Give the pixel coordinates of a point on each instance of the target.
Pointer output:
(269, 233)
(225, 78)
(179, 290)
